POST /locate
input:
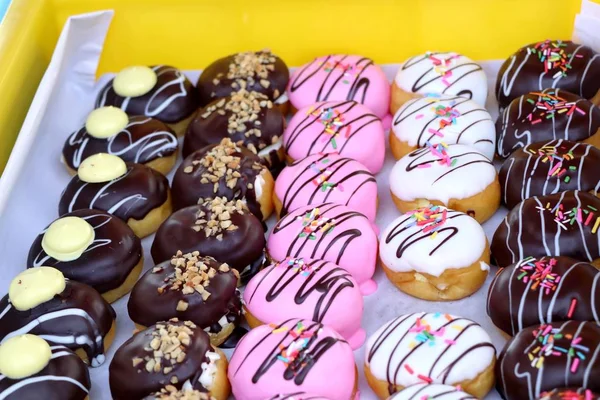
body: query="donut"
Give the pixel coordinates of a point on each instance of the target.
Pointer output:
(562, 224)
(247, 117)
(135, 193)
(544, 116)
(170, 392)
(426, 391)
(541, 358)
(430, 348)
(569, 394)
(441, 73)
(91, 247)
(329, 232)
(257, 71)
(544, 168)
(28, 364)
(159, 91)
(456, 176)
(42, 302)
(137, 139)
(176, 353)
(437, 118)
(433, 253)
(543, 290)
(189, 287)
(296, 355)
(326, 178)
(340, 77)
(549, 64)
(315, 290)
(296, 396)
(225, 170)
(214, 228)
(344, 127)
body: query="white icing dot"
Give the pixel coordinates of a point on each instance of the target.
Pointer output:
(134, 81)
(101, 167)
(23, 356)
(67, 238)
(35, 286)
(105, 122)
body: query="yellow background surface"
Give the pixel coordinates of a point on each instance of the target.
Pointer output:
(190, 34)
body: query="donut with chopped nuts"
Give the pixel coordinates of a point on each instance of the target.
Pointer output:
(189, 287)
(170, 392)
(247, 117)
(259, 71)
(220, 228)
(175, 353)
(224, 170)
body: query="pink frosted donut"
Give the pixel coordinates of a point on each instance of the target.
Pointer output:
(326, 178)
(340, 77)
(344, 127)
(330, 232)
(297, 396)
(316, 290)
(293, 356)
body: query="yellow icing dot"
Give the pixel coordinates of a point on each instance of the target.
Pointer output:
(105, 122)
(35, 286)
(24, 355)
(134, 81)
(67, 238)
(101, 167)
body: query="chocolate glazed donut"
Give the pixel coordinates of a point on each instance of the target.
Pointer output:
(544, 168)
(576, 68)
(172, 99)
(106, 263)
(569, 393)
(542, 291)
(543, 357)
(76, 318)
(544, 116)
(562, 224)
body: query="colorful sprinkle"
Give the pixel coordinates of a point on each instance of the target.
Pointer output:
(430, 219)
(333, 122)
(313, 223)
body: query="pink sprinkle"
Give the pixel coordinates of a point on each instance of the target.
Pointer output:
(409, 369)
(579, 216)
(435, 132)
(450, 341)
(556, 166)
(537, 121)
(571, 311)
(589, 219)
(419, 116)
(580, 111)
(424, 165)
(574, 365)
(588, 394)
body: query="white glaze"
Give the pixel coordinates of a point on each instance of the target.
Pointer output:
(458, 243)
(423, 391)
(415, 120)
(418, 75)
(471, 174)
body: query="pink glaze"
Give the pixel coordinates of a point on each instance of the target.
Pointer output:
(340, 77)
(327, 178)
(297, 396)
(344, 127)
(330, 232)
(320, 362)
(316, 290)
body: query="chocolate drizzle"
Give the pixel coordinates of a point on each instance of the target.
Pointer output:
(543, 290)
(65, 377)
(172, 99)
(142, 140)
(548, 115)
(76, 318)
(525, 72)
(296, 396)
(133, 195)
(544, 357)
(537, 170)
(106, 263)
(561, 224)
(422, 157)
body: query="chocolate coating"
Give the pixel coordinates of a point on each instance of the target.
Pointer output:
(147, 305)
(538, 117)
(172, 99)
(142, 140)
(535, 228)
(241, 248)
(106, 263)
(542, 291)
(65, 377)
(132, 195)
(188, 188)
(129, 382)
(210, 127)
(570, 393)
(79, 313)
(537, 359)
(524, 72)
(214, 81)
(537, 170)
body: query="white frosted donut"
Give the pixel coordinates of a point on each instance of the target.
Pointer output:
(424, 391)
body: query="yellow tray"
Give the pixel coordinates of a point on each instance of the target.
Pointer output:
(191, 33)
